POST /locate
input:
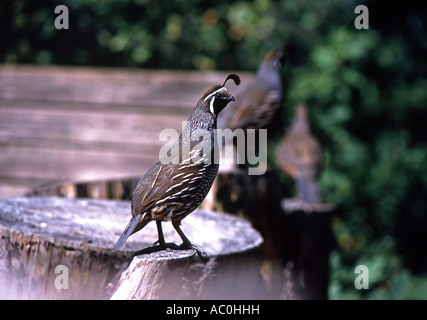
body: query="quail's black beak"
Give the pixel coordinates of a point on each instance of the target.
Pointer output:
(230, 98)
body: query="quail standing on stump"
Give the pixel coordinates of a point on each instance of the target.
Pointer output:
(299, 156)
(173, 188)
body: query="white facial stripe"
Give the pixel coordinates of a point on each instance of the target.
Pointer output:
(214, 93)
(211, 105)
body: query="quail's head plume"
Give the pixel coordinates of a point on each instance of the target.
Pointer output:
(258, 103)
(299, 156)
(170, 190)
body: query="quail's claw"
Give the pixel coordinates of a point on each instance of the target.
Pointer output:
(201, 254)
(173, 246)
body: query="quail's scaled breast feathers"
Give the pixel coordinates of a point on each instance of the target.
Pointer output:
(176, 185)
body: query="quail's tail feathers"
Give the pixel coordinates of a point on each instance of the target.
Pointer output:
(132, 227)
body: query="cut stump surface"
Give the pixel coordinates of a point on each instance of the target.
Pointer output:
(38, 234)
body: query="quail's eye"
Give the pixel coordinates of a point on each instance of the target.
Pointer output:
(218, 96)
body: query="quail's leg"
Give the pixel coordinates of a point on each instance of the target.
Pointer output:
(186, 244)
(161, 242)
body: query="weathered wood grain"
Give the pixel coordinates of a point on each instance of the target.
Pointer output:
(37, 234)
(78, 124)
(105, 85)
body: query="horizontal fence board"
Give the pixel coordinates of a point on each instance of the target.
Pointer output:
(77, 124)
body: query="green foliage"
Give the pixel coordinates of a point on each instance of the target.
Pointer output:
(155, 34)
(387, 279)
(366, 90)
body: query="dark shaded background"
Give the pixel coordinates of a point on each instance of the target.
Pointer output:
(366, 89)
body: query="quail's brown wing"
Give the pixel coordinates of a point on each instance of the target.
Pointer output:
(300, 151)
(300, 157)
(254, 108)
(306, 152)
(147, 192)
(285, 156)
(152, 187)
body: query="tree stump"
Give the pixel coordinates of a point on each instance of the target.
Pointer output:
(253, 197)
(44, 240)
(306, 244)
(58, 248)
(119, 189)
(297, 235)
(293, 260)
(231, 272)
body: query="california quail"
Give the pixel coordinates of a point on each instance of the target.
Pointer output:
(299, 156)
(175, 186)
(259, 102)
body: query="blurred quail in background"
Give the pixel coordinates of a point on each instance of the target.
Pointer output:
(175, 186)
(299, 156)
(259, 102)
(257, 106)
